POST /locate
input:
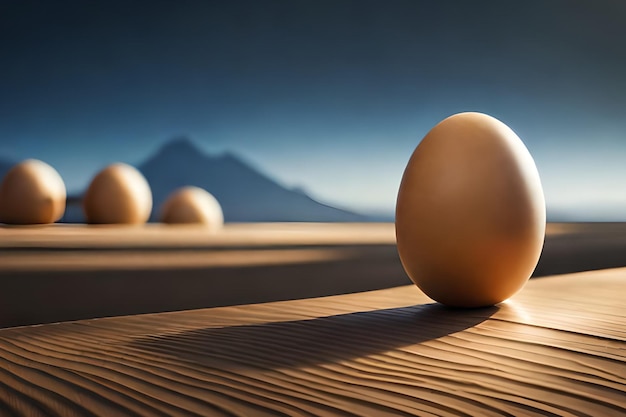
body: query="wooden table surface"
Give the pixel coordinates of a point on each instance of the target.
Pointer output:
(556, 348)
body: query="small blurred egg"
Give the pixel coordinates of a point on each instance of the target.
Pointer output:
(192, 205)
(470, 214)
(119, 194)
(32, 192)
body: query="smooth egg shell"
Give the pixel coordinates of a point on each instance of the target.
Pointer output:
(32, 192)
(470, 214)
(119, 194)
(192, 205)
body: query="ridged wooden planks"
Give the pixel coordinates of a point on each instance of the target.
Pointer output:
(557, 348)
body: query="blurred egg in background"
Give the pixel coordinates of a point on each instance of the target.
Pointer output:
(32, 192)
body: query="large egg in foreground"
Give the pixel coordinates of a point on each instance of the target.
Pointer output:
(192, 205)
(470, 214)
(119, 194)
(32, 192)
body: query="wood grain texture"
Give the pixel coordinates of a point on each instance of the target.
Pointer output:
(556, 348)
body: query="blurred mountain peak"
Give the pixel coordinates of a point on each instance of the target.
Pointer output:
(183, 148)
(230, 156)
(245, 193)
(181, 145)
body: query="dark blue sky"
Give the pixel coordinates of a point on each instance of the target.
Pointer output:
(330, 95)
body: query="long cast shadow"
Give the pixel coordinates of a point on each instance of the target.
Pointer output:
(315, 341)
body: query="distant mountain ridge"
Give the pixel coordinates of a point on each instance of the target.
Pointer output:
(246, 195)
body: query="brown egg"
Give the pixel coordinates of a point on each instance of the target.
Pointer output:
(118, 194)
(470, 214)
(32, 192)
(192, 205)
